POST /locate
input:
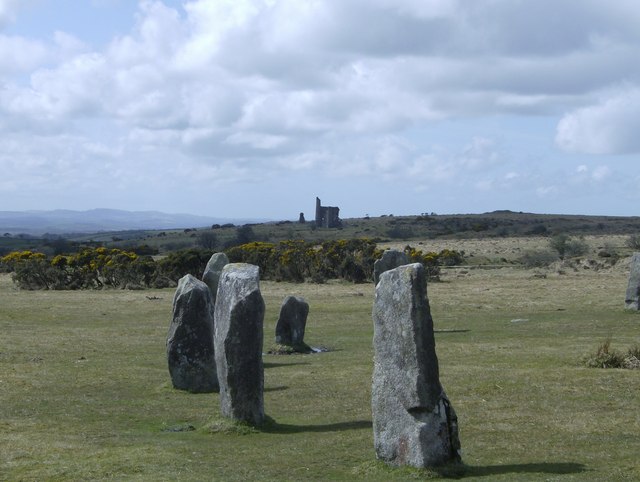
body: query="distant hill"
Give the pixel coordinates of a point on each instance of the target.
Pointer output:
(96, 220)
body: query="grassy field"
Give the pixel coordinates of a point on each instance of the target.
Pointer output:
(85, 391)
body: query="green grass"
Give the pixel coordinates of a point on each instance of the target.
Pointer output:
(85, 391)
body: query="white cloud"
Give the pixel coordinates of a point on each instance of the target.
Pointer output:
(601, 173)
(480, 154)
(550, 191)
(256, 140)
(18, 54)
(485, 185)
(9, 11)
(609, 127)
(592, 177)
(251, 88)
(290, 66)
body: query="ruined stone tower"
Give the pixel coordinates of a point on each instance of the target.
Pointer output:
(327, 216)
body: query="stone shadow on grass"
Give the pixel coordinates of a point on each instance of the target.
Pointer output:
(271, 426)
(278, 365)
(550, 468)
(452, 330)
(280, 388)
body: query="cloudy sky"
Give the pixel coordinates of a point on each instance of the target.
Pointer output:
(251, 108)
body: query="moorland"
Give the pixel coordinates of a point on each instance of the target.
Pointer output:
(497, 224)
(85, 390)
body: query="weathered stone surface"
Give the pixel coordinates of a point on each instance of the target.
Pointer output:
(390, 259)
(239, 315)
(190, 349)
(413, 421)
(633, 286)
(212, 271)
(292, 322)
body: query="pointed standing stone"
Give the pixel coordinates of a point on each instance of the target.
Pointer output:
(190, 351)
(633, 286)
(211, 275)
(413, 421)
(239, 315)
(292, 322)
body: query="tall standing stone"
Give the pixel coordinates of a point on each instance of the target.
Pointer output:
(413, 421)
(190, 349)
(390, 259)
(211, 274)
(633, 287)
(239, 315)
(292, 322)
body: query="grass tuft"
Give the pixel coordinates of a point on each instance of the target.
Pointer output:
(301, 348)
(379, 470)
(182, 427)
(228, 426)
(605, 357)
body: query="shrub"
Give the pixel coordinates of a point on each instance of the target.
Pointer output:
(89, 268)
(256, 253)
(294, 261)
(300, 260)
(538, 230)
(400, 232)
(36, 274)
(143, 250)
(451, 257)
(633, 241)
(430, 261)
(13, 259)
(605, 357)
(634, 351)
(576, 247)
(538, 258)
(207, 240)
(338, 259)
(244, 235)
(567, 246)
(188, 261)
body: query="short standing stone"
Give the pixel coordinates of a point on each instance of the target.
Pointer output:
(633, 287)
(190, 350)
(292, 322)
(239, 315)
(413, 421)
(211, 275)
(390, 259)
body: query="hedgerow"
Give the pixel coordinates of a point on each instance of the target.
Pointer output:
(89, 268)
(292, 260)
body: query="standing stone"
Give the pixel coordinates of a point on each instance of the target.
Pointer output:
(633, 287)
(413, 421)
(292, 322)
(239, 315)
(390, 259)
(211, 275)
(190, 350)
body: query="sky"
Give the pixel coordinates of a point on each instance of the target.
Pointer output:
(252, 108)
